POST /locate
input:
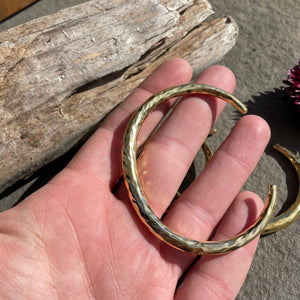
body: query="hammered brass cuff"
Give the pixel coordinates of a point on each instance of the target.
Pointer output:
(293, 212)
(136, 194)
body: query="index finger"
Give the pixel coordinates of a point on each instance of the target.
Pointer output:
(100, 157)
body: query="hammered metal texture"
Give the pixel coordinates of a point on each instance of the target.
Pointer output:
(139, 201)
(293, 212)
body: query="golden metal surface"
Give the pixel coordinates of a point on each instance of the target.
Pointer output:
(10, 7)
(139, 201)
(293, 212)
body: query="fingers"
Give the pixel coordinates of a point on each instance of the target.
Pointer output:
(170, 152)
(201, 207)
(203, 204)
(221, 277)
(100, 157)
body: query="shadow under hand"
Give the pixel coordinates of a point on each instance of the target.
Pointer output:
(274, 107)
(26, 187)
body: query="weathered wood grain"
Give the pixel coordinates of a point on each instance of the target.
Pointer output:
(61, 74)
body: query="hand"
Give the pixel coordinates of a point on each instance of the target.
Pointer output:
(75, 239)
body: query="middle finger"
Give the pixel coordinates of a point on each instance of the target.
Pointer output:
(169, 153)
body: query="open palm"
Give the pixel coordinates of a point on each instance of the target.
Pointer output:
(76, 239)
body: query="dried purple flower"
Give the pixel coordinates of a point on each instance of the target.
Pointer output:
(293, 88)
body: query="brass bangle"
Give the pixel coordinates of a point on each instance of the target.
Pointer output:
(139, 201)
(293, 212)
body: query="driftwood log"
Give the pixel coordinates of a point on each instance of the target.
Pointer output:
(61, 74)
